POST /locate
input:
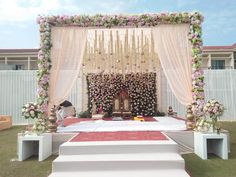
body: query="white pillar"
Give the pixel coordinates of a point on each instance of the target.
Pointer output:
(209, 61)
(28, 63)
(232, 61)
(6, 60)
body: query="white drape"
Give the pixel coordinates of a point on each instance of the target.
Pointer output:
(66, 55)
(174, 50)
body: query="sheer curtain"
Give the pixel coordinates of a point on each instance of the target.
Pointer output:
(66, 55)
(174, 50)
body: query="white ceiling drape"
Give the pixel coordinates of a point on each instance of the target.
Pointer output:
(120, 50)
(67, 55)
(174, 51)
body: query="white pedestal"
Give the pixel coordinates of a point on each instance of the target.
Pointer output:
(210, 143)
(33, 144)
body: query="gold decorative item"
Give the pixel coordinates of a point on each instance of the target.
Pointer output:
(190, 119)
(52, 126)
(111, 50)
(170, 111)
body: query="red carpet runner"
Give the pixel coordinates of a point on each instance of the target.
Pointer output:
(119, 136)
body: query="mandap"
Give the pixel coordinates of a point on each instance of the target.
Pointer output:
(114, 49)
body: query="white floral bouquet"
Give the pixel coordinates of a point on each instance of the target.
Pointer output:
(31, 110)
(213, 108)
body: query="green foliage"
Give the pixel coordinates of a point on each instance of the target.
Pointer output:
(84, 114)
(160, 114)
(10, 167)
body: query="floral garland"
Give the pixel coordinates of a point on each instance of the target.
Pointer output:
(197, 73)
(145, 20)
(141, 88)
(44, 66)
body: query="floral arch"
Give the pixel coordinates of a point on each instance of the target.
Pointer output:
(110, 21)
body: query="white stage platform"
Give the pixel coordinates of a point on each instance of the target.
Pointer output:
(174, 128)
(162, 124)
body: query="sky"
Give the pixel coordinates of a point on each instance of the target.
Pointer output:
(18, 27)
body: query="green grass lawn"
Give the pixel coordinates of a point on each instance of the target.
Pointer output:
(10, 167)
(214, 166)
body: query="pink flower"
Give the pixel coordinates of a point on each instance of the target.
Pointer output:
(38, 19)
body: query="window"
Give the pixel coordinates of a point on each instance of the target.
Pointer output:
(217, 64)
(19, 67)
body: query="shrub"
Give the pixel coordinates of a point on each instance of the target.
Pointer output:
(84, 114)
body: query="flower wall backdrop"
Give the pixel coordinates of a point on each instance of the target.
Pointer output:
(145, 20)
(141, 88)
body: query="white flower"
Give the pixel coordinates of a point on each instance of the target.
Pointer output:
(39, 127)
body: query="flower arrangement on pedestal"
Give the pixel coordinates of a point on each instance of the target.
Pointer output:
(30, 110)
(33, 111)
(212, 110)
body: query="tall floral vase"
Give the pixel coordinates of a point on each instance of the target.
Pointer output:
(213, 126)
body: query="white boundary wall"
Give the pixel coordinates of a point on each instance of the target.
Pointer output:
(19, 87)
(16, 89)
(220, 85)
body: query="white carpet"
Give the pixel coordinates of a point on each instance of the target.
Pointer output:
(162, 124)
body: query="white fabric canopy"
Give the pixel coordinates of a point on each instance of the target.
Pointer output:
(170, 41)
(174, 50)
(67, 56)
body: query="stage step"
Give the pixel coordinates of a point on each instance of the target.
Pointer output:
(128, 173)
(119, 158)
(109, 162)
(118, 147)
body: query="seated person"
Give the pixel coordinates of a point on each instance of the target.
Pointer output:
(64, 110)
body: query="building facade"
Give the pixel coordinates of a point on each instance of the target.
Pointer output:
(18, 59)
(219, 57)
(214, 57)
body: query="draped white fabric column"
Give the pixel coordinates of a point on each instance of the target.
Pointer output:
(174, 50)
(67, 56)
